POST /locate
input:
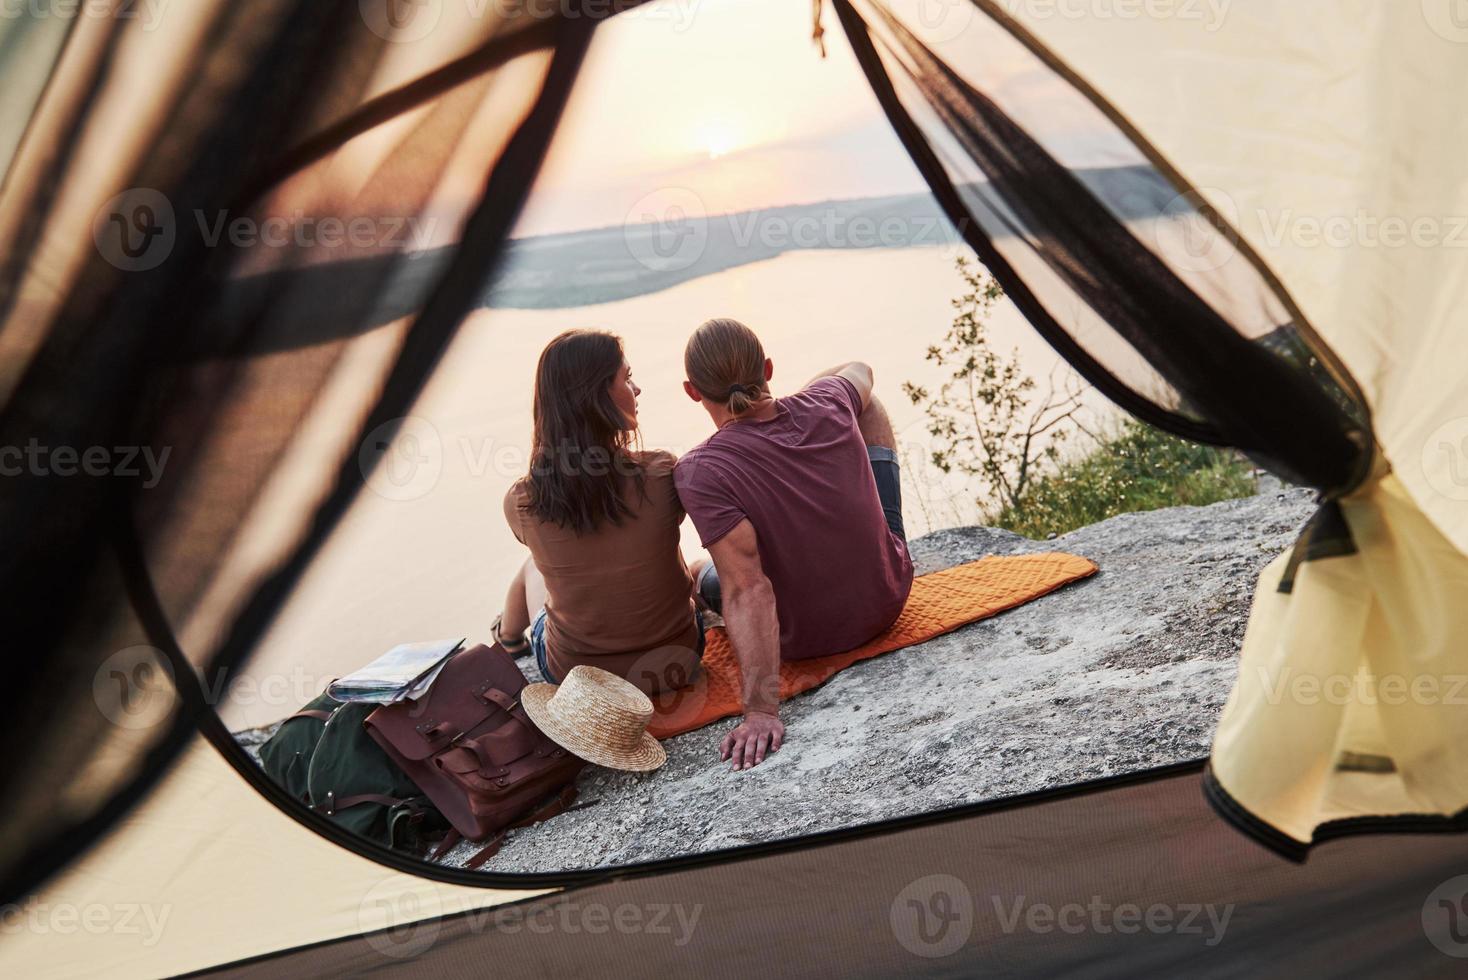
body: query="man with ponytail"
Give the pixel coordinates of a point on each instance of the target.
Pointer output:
(798, 500)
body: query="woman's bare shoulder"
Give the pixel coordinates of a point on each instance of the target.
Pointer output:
(656, 462)
(517, 497)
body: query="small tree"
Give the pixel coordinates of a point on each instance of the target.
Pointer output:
(989, 418)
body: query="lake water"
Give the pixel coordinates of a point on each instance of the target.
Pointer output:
(424, 553)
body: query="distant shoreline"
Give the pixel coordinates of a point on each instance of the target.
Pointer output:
(603, 265)
(566, 270)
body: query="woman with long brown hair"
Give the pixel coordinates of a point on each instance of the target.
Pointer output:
(605, 583)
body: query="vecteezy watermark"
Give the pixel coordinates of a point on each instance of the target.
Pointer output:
(1186, 231)
(138, 230)
(402, 21)
(933, 916)
(134, 688)
(406, 21)
(402, 459)
(285, 690)
(1209, 14)
(1448, 19)
(35, 459)
(301, 230)
(1445, 459)
(831, 228)
(1363, 229)
(1095, 915)
(94, 918)
(1186, 235)
(669, 229)
(1309, 689)
(1445, 917)
(402, 921)
(147, 13)
(937, 21)
(680, 698)
(676, 921)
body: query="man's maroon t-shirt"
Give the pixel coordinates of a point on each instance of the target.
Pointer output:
(804, 481)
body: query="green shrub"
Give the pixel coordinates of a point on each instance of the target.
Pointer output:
(989, 420)
(1139, 468)
(992, 423)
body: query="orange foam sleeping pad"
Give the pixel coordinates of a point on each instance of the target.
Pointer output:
(939, 603)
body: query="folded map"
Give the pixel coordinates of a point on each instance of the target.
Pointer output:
(404, 672)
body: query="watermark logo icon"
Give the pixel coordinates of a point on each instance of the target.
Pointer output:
(1445, 459)
(667, 230)
(934, 916)
(1445, 917)
(134, 688)
(682, 691)
(402, 459)
(1185, 237)
(401, 21)
(398, 923)
(1448, 19)
(942, 20)
(136, 230)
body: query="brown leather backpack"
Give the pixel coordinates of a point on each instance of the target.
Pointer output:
(473, 751)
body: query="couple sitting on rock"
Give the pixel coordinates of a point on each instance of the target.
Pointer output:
(797, 500)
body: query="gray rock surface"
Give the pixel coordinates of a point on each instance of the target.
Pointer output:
(1126, 670)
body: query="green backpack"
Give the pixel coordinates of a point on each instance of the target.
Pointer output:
(324, 757)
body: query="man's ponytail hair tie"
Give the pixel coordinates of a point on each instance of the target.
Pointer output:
(748, 391)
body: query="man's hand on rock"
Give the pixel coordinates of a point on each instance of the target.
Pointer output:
(758, 735)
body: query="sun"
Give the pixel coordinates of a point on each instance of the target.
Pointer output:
(718, 138)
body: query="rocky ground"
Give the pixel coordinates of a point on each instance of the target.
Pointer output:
(1124, 671)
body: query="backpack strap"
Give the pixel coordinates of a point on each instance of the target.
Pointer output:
(319, 714)
(333, 804)
(488, 851)
(559, 804)
(554, 808)
(447, 844)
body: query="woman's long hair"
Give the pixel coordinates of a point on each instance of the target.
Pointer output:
(725, 361)
(582, 453)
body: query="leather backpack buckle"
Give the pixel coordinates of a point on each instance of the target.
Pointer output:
(490, 694)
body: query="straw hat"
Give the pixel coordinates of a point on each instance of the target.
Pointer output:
(597, 716)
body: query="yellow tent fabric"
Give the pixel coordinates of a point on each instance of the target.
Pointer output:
(1351, 694)
(1320, 131)
(207, 871)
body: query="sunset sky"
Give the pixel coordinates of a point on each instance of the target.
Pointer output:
(722, 105)
(730, 100)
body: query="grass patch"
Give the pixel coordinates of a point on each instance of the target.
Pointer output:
(1139, 468)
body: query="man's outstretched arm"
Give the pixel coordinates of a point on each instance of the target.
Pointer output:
(872, 420)
(858, 373)
(754, 631)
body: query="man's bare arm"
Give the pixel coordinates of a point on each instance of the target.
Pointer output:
(754, 631)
